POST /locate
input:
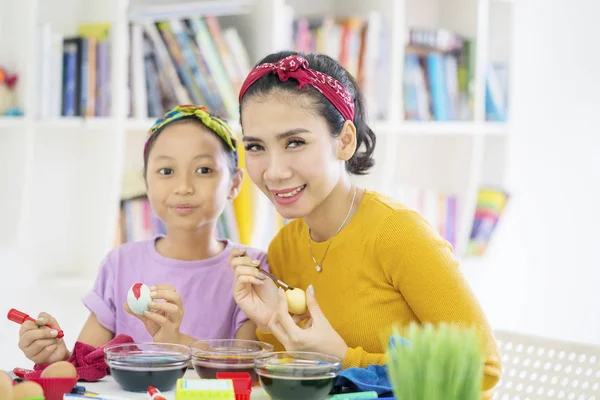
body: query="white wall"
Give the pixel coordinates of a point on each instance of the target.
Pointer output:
(543, 274)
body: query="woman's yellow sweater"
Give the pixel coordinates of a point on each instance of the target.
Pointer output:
(387, 266)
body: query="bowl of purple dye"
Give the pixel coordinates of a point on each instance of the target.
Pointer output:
(227, 355)
(135, 366)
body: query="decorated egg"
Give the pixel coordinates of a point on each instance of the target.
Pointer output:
(138, 298)
(296, 301)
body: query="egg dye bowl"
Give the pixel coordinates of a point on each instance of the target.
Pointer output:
(54, 388)
(227, 355)
(135, 366)
(297, 375)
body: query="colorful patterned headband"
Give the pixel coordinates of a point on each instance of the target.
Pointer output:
(215, 124)
(297, 67)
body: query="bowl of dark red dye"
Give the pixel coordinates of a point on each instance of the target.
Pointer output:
(227, 355)
(135, 366)
(296, 375)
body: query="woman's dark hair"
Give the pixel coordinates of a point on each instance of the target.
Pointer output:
(232, 156)
(362, 160)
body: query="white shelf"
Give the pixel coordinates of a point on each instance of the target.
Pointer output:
(87, 168)
(433, 128)
(95, 123)
(12, 122)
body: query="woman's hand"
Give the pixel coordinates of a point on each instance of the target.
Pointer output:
(39, 343)
(164, 317)
(316, 335)
(255, 293)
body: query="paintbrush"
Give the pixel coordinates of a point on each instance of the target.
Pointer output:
(273, 277)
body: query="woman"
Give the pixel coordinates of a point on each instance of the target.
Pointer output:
(369, 260)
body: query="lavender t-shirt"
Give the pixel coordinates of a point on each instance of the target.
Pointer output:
(205, 287)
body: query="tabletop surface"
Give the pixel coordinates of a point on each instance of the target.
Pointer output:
(107, 387)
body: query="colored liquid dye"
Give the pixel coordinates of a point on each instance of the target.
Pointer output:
(290, 388)
(209, 370)
(136, 376)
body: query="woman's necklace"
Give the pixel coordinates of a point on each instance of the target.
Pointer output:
(319, 266)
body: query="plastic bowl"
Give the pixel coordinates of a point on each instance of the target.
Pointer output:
(296, 375)
(135, 366)
(226, 355)
(55, 388)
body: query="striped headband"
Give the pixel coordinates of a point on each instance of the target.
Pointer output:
(296, 67)
(218, 126)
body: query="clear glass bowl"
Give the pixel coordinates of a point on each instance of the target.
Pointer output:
(226, 355)
(135, 366)
(296, 375)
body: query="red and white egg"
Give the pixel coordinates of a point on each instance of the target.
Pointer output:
(138, 298)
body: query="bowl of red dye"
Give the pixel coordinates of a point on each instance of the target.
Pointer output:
(135, 366)
(296, 375)
(227, 355)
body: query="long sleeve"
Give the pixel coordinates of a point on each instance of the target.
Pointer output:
(422, 267)
(358, 357)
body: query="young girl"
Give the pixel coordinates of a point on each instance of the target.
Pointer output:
(369, 260)
(190, 169)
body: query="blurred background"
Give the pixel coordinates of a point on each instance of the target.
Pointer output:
(484, 111)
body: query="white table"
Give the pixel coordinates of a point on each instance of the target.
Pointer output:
(109, 388)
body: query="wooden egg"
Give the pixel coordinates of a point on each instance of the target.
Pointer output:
(138, 298)
(6, 386)
(59, 369)
(27, 390)
(296, 299)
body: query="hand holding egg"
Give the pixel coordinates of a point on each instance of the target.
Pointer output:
(315, 335)
(159, 307)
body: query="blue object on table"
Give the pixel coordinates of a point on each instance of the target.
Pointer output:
(373, 378)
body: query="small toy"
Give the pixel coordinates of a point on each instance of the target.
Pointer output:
(8, 96)
(138, 298)
(19, 317)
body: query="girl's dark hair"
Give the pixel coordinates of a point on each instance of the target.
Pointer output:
(362, 160)
(232, 157)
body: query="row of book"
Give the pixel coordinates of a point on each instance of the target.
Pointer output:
(185, 61)
(73, 78)
(438, 78)
(138, 222)
(442, 211)
(358, 43)
(439, 209)
(491, 204)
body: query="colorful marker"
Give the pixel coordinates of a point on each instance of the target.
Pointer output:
(154, 394)
(20, 317)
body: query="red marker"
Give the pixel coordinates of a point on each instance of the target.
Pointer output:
(20, 317)
(154, 394)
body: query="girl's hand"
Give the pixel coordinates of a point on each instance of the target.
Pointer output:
(164, 317)
(254, 292)
(316, 335)
(39, 343)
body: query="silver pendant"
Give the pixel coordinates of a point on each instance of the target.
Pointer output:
(319, 268)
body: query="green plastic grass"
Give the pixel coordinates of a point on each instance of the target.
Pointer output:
(442, 362)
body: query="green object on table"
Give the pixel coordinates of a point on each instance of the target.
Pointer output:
(356, 395)
(442, 362)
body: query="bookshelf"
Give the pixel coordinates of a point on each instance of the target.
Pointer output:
(70, 170)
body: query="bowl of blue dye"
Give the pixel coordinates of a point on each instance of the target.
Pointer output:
(135, 366)
(296, 375)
